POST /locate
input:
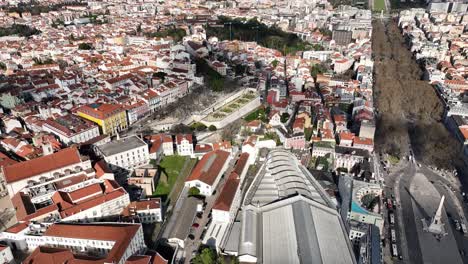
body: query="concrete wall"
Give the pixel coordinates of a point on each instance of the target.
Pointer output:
(249, 107)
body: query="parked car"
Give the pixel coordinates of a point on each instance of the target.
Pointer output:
(195, 225)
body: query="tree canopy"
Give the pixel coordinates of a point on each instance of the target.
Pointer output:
(253, 30)
(35, 8)
(85, 46)
(18, 29)
(213, 79)
(176, 33)
(207, 256)
(194, 191)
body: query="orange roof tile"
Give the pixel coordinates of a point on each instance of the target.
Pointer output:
(208, 168)
(100, 111)
(363, 141)
(122, 234)
(226, 197)
(26, 169)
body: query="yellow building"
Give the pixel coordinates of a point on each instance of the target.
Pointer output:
(109, 117)
(307, 119)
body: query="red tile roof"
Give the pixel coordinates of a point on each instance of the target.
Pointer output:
(363, 141)
(157, 141)
(154, 203)
(101, 168)
(224, 145)
(18, 227)
(23, 170)
(138, 260)
(241, 162)
(251, 140)
(203, 148)
(122, 234)
(43, 254)
(69, 208)
(5, 160)
(254, 123)
(346, 136)
(226, 197)
(464, 132)
(209, 167)
(25, 209)
(180, 137)
(158, 259)
(86, 192)
(100, 111)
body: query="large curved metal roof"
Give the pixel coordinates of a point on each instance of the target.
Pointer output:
(281, 176)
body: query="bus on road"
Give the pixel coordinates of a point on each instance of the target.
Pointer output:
(393, 235)
(394, 250)
(392, 218)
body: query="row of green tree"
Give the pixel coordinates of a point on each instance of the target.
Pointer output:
(253, 30)
(198, 126)
(213, 79)
(176, 33)
(209, 256)
(18, 29)
(39, 61)
(36, 8)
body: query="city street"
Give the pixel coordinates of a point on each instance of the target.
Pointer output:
(193, 245)
(399, 183)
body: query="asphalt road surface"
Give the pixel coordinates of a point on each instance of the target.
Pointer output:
(407, 222)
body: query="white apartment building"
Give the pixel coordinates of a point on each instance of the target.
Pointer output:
(108, 242)
(126, 153)
(148, 211)
(185, 145)
(249, 146)
(6, 256)
(94, 206)
(224, 211)
(160, 144)
(34, 176)
(71, 129)
(346, 157)
(208, 171)
(227, 204)
(87, 201)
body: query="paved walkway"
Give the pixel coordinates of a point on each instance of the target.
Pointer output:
(179, 184)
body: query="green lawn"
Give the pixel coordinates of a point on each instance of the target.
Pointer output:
(170, 165)
(259, 113)
(379, 5)
(179, 185)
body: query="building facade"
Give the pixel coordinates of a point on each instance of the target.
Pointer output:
(71, 129)
(126, 153)
(110, 118)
